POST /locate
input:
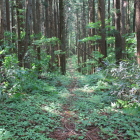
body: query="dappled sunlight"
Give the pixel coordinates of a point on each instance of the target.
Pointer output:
(52, 108)
(77, 109)
(69, 70)
(4, 134)
(85, 90)
(37, 115)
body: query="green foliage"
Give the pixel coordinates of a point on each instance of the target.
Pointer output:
(35, 63)
(16, 80)
(109, 29)
(97, 55)
(94, 61)
(48, 41)
(10, 61)
(126, 80)
(116, 94)
(130, 45)
(40, 41)
(94, 103)
(96, 106)
(34, 117)
(93, 38)
(25, 81)
(110, 40)
(59, 52)
(95, 25)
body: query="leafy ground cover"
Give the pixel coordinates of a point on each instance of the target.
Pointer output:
(78, 107)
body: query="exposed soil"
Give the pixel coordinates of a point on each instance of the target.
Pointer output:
(69, 118)
(68, 121)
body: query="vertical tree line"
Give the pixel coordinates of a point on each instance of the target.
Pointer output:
(116, 24)
(27, 21)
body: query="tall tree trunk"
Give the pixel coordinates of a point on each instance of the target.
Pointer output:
(91, 31)
(34, 16)
(123, 23)
(101, 17)
(62, 37)
(134, 17)
(52, 30)
(78, 37)
(28, 33)
(118, 39)
(128, 24)
(38, 29)
(113, 18)
(137, 2)
(84, 44)
(108, 9)
(8, 15)
(13, 22)
(1, 29)
(1, 23)
(20, 50)
(46, 18)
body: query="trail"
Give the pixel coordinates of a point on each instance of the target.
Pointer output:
(70, 117)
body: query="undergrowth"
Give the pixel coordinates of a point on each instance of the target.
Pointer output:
(96, 109)
(31, 105)
(30, 117)
(110, 99)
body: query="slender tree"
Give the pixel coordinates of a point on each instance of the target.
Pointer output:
(84, 45)
(108, 9)
(20, 50)
(38, 29)
(78, 37)
(91, 31)
(134, 17)
(1, 23)
(101, 18)
(28, 33)
(137, 2)
(1, 29)
(62, 37)
(118, 38)
(13, 21)
(7, 15)
(123, 24)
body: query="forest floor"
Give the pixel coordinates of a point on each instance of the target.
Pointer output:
(82, 107)
(73, 110)
(70, 116)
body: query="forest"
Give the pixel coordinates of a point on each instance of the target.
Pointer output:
(69, 70)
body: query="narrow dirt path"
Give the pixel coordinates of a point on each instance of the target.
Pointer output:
(69, 117)
(69, 121)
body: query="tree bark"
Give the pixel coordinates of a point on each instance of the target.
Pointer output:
(20, 50)
(84, 44)
(62, 37)
(1, 29)
(108, 9)
(1, 23)
(134, 17)
(28, 33)
(101, 17)
(91, 31)
(8, 15)
(123, 25)
(118, 38)
(137, 2)
(38, 30)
